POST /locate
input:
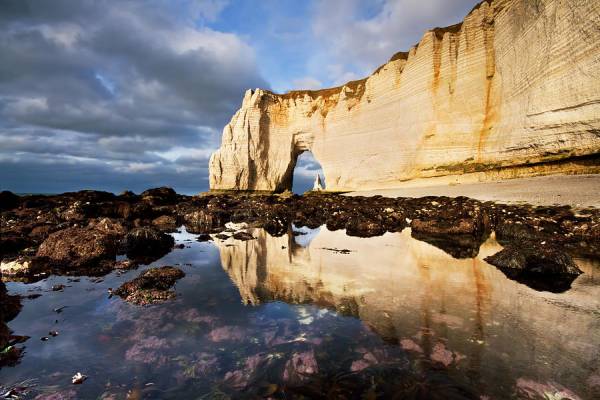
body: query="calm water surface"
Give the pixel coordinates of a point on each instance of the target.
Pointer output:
(286, 317)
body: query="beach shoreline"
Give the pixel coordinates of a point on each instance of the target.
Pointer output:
(573, 190)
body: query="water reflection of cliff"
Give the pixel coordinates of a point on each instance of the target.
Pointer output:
(415, 294)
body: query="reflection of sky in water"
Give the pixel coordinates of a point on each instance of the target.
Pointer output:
(395, 310)
(307, 235)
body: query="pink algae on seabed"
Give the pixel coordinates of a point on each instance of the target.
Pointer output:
(227, 333)
(530, 389)
(444, 356)
(410, 345)
(299, 366)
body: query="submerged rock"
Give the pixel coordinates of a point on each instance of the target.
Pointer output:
(151, 286)
(541, 267)
(530, 389)
(300, 367)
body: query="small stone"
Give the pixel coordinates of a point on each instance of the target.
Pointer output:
(78, 378)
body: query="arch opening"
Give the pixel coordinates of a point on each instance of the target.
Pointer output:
(305, 172)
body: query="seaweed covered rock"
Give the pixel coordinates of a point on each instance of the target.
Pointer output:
(204, 221)
(459, 226)
(459, 236)
(78, 247)
(166, 223)
(541, 267)
(151, 286)
(159, 196)
(147, 243)
(362, 227)
(109, 226)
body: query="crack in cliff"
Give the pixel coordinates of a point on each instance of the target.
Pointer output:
(490, 66)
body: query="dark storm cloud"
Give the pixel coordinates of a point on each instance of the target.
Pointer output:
(113, 90)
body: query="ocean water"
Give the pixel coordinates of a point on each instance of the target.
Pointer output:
(314, 314)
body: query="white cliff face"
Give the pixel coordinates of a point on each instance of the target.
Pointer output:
(512, 91)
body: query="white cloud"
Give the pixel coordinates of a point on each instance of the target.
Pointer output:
(354, 45)
(177, 153)
(26, 105)
(307, 83)
(137, 167)
(65, 34)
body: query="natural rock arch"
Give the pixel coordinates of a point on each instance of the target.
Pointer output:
(513, 90)
(305, 172)
(302, 142)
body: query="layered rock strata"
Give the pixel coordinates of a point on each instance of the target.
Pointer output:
(513, 90)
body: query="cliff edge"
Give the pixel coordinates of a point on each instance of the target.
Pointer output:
(513, 90)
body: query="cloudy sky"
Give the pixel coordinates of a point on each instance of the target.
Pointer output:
(124, 94)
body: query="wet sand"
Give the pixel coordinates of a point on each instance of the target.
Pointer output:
(573, 190)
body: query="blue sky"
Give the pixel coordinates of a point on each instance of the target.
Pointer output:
(129, 94)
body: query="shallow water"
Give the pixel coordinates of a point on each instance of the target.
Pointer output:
(293, 316)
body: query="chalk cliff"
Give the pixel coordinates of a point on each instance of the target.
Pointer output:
(513, 90)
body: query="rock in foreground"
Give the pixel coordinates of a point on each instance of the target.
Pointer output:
(77, 247)
(151, 286)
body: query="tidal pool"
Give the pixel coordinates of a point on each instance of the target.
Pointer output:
(314, 314)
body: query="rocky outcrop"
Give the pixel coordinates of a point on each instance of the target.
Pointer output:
(77, 247)
(511, 91)
(147, 243)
